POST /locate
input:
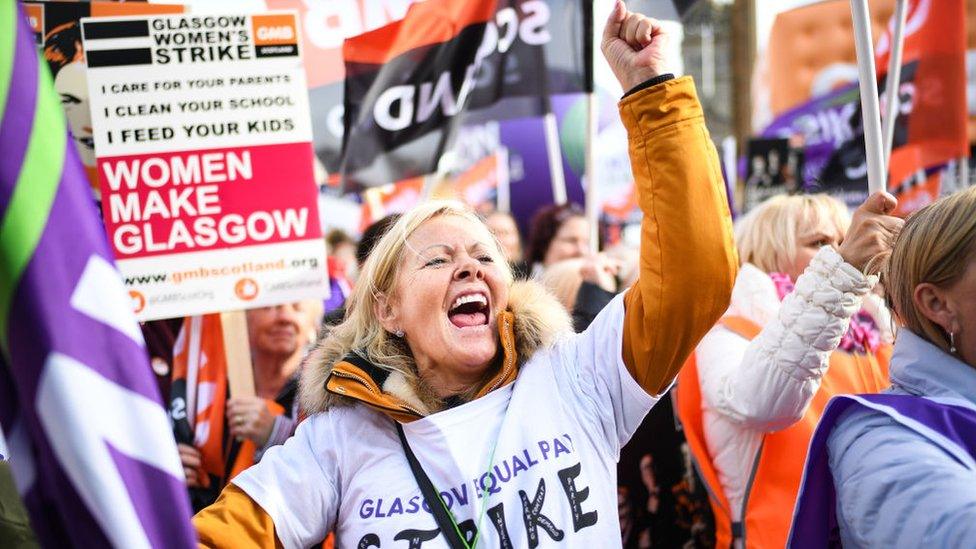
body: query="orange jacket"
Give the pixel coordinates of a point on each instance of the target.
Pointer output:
(687, 257)
(778, 467)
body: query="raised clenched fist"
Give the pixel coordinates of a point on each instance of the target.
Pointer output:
(634, 46)
(872, 232)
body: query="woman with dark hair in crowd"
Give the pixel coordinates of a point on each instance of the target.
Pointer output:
(558, 232)
(899, 469)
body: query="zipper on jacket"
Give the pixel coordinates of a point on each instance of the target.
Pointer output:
(509, 361)
(362, 381)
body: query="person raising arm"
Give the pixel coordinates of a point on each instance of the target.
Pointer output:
(418, 400)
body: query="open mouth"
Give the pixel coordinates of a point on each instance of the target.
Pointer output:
(469, 310)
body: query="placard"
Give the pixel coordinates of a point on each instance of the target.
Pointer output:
(774, 167)
(204, 155)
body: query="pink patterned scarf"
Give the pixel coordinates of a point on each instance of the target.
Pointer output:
(862, 336)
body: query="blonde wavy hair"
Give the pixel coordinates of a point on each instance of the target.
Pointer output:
(361, 332)
(936, 246)
(766, 236)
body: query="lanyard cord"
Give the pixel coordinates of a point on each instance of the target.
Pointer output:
(484, 504)
(426, 486)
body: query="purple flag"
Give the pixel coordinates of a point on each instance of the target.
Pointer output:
(90, 444)
(825, 123)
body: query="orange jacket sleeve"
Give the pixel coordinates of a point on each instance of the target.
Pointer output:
(235, 520)
(688, 260)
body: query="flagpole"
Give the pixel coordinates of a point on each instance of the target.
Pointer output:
(592, 196)
(556, 175)
(503, 189)
(963, 173)
(193, 331)
(430, 181)
(894, 79)
(729, 154)
(870, 108)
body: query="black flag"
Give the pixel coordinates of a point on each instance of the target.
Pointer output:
(409, 83)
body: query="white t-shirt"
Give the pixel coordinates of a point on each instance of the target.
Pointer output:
(559, 428)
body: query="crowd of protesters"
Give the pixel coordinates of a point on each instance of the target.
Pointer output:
(696, 373)
(719, 458)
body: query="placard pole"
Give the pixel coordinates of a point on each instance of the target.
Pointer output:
(870, 107)
(894, 80)
(237, 349)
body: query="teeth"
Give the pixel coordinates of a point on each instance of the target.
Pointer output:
(469, 298)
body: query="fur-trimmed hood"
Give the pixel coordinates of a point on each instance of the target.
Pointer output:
(534, 320)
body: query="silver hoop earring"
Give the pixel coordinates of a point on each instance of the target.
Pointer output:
(952, 342)
(398, 333)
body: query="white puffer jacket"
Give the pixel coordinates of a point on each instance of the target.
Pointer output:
(749, 388)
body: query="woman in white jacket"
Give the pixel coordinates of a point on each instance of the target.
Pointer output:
(759, 379)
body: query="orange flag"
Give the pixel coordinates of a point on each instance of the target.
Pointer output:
(932, 116)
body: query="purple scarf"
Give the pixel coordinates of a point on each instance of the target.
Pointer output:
(815, 516)
(862, 336)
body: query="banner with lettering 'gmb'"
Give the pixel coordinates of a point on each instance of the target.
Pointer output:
(203, 140)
